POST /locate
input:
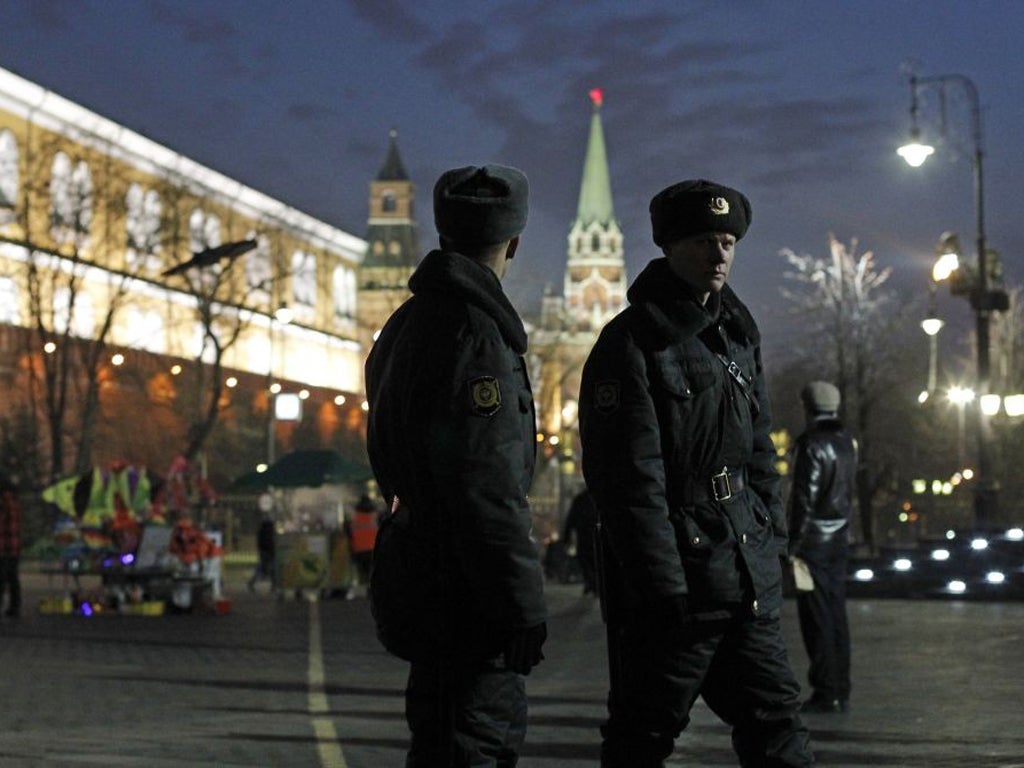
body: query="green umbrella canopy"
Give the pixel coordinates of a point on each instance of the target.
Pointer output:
(300, 469)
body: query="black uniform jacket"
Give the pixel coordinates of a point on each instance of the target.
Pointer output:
(821, 499)
(452, 433)
(660, 414)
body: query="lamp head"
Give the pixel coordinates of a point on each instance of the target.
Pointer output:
(915, 152)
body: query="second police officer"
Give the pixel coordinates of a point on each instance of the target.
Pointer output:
(675, 426)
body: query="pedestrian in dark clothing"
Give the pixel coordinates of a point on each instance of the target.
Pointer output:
(266, 550)
(820, 509)
(580, 526)
(675, 424)
(457, 585)
(10, 546)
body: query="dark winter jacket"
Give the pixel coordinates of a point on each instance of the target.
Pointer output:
(660, 415)
(452, 434)
(821, 499)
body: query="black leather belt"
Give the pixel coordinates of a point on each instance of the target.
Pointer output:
(719, 487)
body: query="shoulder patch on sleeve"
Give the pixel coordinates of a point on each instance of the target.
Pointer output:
(485, 395)
(607, 395)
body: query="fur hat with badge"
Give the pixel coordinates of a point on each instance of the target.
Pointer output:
(695, 206)
(820, 397)
(481, 206)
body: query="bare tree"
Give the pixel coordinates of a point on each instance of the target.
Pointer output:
(220, 292)
(852, 321)
(71, 201)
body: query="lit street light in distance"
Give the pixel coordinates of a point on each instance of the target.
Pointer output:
(1014, 405)
(932, 325)
(947, 264)
(960, 395)
(914, 151)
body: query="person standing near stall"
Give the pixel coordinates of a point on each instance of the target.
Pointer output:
(362, 536)
(10, 545)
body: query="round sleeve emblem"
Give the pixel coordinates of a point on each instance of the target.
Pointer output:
(606, 396)
(486, 395)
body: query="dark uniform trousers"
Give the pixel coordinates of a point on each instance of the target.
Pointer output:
(825, 630)
(738, 664)
(463, 716)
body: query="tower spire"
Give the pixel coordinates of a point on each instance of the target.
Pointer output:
(595, 275)
(595, 202)
(392, 170)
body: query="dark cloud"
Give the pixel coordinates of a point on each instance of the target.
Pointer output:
(49, 15)
(203, 27)
(308, 112)
(391, 18)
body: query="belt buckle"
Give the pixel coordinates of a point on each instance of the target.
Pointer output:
(721, 480)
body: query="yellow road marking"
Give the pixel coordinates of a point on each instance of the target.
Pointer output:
(327, 743)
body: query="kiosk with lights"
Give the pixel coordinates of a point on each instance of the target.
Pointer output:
(308, 492)
(134, 533)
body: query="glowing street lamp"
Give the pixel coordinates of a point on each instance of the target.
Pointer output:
(914, 152)
(960, 397)
(983, 300)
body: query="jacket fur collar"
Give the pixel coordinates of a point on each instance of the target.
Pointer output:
(672, 313)
(450, 276)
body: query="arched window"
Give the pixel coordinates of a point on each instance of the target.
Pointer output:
(257, 265)
(304, 279)
(143, 226)
(70, 200)
(344, 289)
(147, 328)
(338, 289)
(8, 171)
(203, 231)
(60, 195)
(350, 290)
(9, 312)
(388, 202)
(79, 319)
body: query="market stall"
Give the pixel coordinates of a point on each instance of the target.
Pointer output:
(125, 542)
(308, 492)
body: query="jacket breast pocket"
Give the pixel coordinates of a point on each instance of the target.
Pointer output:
(683, 379)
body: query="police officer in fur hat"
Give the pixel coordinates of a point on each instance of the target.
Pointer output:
(456, 587)
(675, 424)
(820, 510)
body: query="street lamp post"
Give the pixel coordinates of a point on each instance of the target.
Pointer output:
(981, 297)
(282, 316)
(960, 397)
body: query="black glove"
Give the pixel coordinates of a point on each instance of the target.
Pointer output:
(522, 652)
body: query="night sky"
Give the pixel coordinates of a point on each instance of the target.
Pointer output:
(798, 104)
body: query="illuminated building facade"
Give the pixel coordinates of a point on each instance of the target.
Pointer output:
(93, 214)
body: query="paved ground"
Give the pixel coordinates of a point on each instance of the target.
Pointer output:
(937, 683)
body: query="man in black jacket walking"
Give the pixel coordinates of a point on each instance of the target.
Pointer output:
(457, 585)
(820, 508)
(675, 426)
